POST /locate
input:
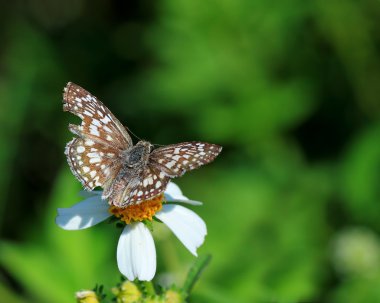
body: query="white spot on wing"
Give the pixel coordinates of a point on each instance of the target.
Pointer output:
(87, 113)
(92, 155)
(89, 142)
(107, 129)
(94, 131)
(170, 164)
(96, 122)
(95, 160)
(105, 120)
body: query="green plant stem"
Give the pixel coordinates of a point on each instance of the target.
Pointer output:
(149, 288)
(195, 272)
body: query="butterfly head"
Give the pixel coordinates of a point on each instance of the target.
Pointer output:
(139, 154)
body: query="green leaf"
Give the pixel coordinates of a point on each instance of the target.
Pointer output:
(195, 272)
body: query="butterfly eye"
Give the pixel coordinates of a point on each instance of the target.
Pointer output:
(151, 146)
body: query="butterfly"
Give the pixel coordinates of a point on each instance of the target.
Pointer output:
(103, 154)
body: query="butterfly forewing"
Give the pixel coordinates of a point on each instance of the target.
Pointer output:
(98, 123)
(176, 159)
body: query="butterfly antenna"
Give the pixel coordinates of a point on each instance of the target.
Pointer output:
(133, 133)
(137, 137)
(155, 144)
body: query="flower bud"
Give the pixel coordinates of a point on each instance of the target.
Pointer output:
(172, 296)
(86, 296)
(128, 292)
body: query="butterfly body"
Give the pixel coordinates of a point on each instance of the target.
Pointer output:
(138, 155)
(103, 154)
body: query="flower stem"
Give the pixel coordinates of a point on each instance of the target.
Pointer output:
(149, 288)
(195, 272)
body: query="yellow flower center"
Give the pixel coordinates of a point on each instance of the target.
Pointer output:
(138, 212)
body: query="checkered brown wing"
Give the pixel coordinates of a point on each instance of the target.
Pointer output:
(151, 184)
(95, 156)
(131, 188)
(92, 163)
(174, 160)
(98, 123)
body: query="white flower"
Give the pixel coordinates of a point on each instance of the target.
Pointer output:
(136, 253)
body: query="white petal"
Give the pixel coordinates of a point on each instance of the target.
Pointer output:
(191, 202)
(88, 194)
(173, 190)
(189, 228)
(174, 193)
(84, 214)
(136, 253)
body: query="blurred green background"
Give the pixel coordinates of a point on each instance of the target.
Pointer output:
(290, 88)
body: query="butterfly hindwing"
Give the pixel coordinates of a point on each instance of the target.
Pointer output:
(92, 164)
(133, 188)
(151, 184)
